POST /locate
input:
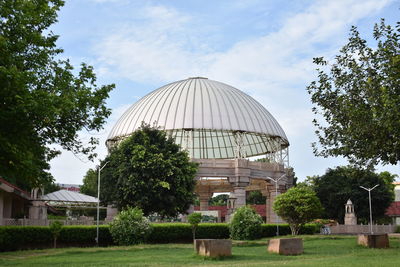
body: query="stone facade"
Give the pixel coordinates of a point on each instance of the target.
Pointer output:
(239, 176)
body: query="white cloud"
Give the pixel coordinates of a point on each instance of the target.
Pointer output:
(164, 45)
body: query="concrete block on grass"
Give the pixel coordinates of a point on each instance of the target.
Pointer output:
(373, 241)
(286, 246)
(213, 247)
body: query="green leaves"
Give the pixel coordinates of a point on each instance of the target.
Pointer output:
(298, 206)
(148, 171)
(338, 185)
(245, 224)
(43, 102)
(129, 227)
(357, 100)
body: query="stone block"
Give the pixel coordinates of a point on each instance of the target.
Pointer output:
(286, 246)
(213, 247)
(373, 241)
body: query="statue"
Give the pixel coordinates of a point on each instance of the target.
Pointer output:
(350, 217)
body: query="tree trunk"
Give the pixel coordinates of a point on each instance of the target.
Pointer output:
(55, 242)
(295, 228)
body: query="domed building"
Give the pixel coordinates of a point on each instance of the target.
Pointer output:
(221, 128)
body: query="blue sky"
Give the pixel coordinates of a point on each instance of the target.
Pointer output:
(264, 48)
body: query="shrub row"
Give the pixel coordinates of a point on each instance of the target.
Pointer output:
(27, 237)
(182, 232)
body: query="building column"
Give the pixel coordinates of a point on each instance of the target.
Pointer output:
(1, 207)
(271, 214)
(240, 194)
(204, 197)
(38, 210)
(112, 211)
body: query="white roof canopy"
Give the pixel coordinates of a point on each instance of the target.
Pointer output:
(69, 198)
(208, 118)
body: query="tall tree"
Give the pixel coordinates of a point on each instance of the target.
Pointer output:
(44, 101)
(338, 185)
(358, 96)
(220, 200)
(148, 170)
(255, 197)
(89, 186)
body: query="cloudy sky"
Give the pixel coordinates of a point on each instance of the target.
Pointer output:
(263, 47)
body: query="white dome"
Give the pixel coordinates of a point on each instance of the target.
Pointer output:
(207, 117)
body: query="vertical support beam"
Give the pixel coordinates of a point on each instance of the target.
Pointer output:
(7, 206)
(204, 197)
(37, 210)
(240, 194)
(272, 217)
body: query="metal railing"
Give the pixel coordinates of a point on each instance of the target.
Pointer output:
(32, 222)
(362, 229)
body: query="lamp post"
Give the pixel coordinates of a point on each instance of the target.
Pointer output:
(98, 202)
(276, 193)
(370, 208)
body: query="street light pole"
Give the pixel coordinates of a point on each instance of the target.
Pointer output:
(370, 206)
(98, 203)
(276, 194)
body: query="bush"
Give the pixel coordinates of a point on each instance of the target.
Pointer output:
(130, 227)
(245, 224)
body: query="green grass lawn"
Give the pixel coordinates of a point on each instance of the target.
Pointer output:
(318, 251)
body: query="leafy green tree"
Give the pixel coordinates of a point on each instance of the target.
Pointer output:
(358, 97)
(220, 200)
(194, 219)
(51, 187)
(89, 186)
(255, 197)
(245, 224)
(148, 170)
(298, 206)
(44, 100)
(338, 185)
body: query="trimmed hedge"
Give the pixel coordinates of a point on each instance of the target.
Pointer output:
(21, 237)
(28, 237)
(182, 232)
(269, 230)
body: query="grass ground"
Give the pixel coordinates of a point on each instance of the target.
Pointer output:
(318, 251)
